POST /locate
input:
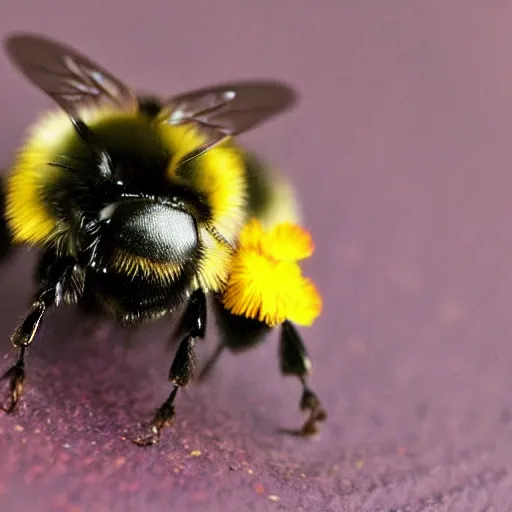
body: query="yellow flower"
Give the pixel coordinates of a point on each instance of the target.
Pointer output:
(266, 282)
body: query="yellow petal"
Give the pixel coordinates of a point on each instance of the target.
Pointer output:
(288, 242)
(307, 305)
(266, 282)
(251, 235)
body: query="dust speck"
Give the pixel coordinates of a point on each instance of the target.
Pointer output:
(401, 451)
(119, 462)
(259, 488)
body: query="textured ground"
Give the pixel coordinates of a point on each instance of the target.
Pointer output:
(401, 153)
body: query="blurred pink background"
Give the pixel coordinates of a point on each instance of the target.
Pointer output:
(400, 151)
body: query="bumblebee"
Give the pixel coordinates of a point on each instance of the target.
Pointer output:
(143, 207)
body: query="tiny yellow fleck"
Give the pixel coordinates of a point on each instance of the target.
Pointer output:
(119, 462)
(195, 453)
(360, 464)
(273, 497)
(19, 428)
(250, 471)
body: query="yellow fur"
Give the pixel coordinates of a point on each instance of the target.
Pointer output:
(131, 265)
(214, 265)
(28, 216)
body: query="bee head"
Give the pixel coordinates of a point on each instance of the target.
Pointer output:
(148, 236)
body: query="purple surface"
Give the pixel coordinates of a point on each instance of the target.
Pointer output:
(401, 153)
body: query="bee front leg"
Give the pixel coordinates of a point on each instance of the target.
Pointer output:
(21, 339)
(294, 360)
(182, 368)
(51, 292)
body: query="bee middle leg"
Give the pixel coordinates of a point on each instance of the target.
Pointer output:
(182, 368)
(237, 334)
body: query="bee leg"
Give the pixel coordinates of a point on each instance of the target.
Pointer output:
(294, 360)
(16, 377)
(22, 337)
(59, 279)
(182, 368)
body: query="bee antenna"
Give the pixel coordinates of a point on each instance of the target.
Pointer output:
(87, 135)
(82, 129)
(213, 231)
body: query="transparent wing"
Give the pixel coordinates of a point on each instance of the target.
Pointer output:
(71, 79)
(228, 109)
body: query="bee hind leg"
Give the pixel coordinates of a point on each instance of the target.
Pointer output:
(182, 368)
(295, 361)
